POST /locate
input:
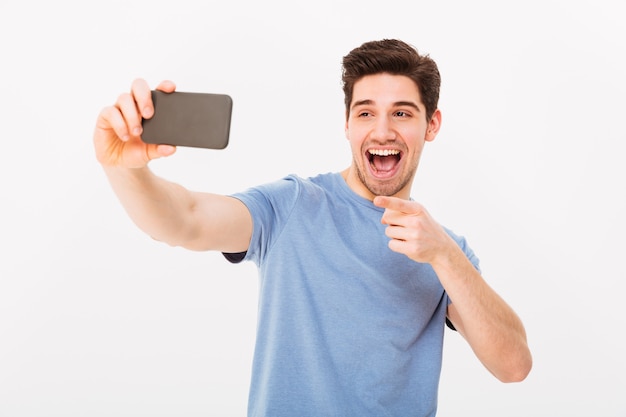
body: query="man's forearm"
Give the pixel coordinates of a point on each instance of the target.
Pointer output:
(491, 327)
(156, 206)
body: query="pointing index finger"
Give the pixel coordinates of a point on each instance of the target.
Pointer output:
(395, 203)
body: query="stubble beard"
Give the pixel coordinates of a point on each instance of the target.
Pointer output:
(385, 188)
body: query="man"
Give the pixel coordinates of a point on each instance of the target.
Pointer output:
(357, 280)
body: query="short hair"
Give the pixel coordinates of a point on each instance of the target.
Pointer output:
(394, 57)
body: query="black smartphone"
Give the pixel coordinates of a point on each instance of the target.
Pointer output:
(199, 120)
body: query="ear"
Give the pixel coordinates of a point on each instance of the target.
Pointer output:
(346, 130)
(433, 126)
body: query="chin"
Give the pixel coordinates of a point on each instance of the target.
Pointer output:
(384, 189)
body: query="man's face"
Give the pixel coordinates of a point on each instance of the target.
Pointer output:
(387, 129)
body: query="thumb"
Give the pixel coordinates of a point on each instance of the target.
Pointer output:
(155, 151)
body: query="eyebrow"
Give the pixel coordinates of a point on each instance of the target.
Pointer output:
(368, 102)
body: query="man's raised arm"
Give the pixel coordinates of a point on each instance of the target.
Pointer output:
(166, 211)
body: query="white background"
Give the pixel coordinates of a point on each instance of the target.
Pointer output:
(97, 319)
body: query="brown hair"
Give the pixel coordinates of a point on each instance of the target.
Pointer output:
(394, 57)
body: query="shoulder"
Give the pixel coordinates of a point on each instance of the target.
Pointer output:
(279, 197)
(293, 185)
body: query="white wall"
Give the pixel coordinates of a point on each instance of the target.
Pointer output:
(97, 319)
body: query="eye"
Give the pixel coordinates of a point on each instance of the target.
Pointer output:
(364, 114)
(402, 114)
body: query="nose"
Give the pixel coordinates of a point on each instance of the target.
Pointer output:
(383, 129)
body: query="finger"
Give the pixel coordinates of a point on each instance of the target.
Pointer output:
(111, 118)
(165, 150)
(128, 108)
(397, 210)
(397, 232)
(392, 217)
(167, 86)
(398, 204)
(142, 96)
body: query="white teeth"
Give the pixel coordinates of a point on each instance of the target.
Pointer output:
(384, 152)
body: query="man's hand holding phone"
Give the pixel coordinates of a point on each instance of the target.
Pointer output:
(117, 136)
(143, 125)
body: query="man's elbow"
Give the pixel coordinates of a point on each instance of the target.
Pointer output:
(518, 371)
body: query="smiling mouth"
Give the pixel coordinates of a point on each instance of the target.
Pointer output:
(383, 161)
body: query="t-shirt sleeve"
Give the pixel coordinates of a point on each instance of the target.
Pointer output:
(270, 206)
(235, 257)
(462, 242)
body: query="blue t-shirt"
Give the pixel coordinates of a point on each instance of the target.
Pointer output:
(346, 327)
